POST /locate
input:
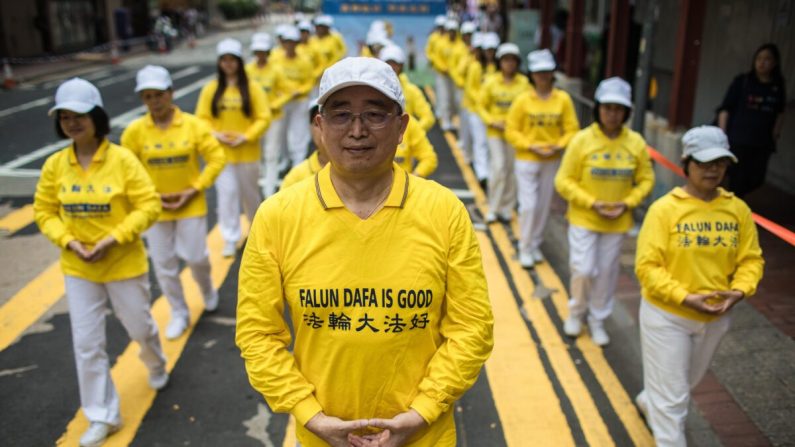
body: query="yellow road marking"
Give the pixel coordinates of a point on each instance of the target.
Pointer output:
(131, 376)
(16, 220)
(431, 94)
(30, 303)
(525, 400)
(593, 427)
(289, 433)
(616, 394)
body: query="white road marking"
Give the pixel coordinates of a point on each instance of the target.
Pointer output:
(28, 105)
(15, 371)
(463, 193)
(115, 79)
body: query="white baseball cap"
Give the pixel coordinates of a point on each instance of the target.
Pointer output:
(506, 49)
(491, 41)
(614, 91)
(229, 46)
(378, 24)
(324, 20)
(706, 143)
(305, 25)
(451, 25)
(377, 37)
(279, 31)
(367, 71)
(261, 42)
(392, 53)
(541, 60)
(477, 40)
(152, 77)
(468, 27)
(439, 21)
(291, 33)
(77, 95)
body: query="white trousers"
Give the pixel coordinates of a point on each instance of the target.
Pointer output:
(502, 178)
(535, 184)
(170, 241)
(676, 355)
(296, 116)
(272, 145)
(594, 265)
(235, 184)
(130, 300)
(444, 99)
(465, 134)
(480, 146)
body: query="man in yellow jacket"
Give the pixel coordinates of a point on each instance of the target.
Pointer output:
(445, 91)
(170, 144)
(416, 104)
(329, 42)
(382, 274)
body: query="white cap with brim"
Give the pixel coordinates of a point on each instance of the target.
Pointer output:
(451, 25)
(280, 30)
(229, 46)
(76, 95)
(491, 41)
(291, 33)
(305, 25)
(261, 42)
(324, 20)
(152, 77)
(376, 37)
(541, 60)
(392, 53)
(468, 27)
(705, 144)
(477, 40)
(507, 49)
(439, 21)
(366, 71)
(614, 91)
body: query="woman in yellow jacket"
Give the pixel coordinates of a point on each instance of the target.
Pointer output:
(605, 173)
(416, 104)
(170, 143)
(483, 66)
(460, 60)
(238, 113)
(697, 256)
(93, 200)
(278, 89)
(496, 97)
(539, 126)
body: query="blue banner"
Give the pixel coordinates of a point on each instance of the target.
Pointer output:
(391, 7)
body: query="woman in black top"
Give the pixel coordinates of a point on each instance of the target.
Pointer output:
(752, 116)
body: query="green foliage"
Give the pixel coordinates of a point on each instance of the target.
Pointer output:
(238, 9)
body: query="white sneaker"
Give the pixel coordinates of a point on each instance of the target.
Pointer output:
(642, 404)
(211, 302)
(538, 257)
(230, 249)
(159, 380)
(572, 326)
(526, 259)
(598, 333)
(491, 217)
(97, 433)
(176, 327)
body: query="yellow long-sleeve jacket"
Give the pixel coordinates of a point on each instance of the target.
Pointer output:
(114, 196)
(312, 52)
(390, 313)
(232, 119)
(688, 246)
(416, 104)
(299, 71)
(595, 167)
(430, 48)
(461, 58)
(535, 121)
(443, 53)
(475, 78)
(303, 170)
(332, 47)
(278, 89)
(171, 157)
(416, 147)
(496, 97)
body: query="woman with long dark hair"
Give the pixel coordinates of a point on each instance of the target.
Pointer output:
(238, 113)
(93, 200)
(752, 115)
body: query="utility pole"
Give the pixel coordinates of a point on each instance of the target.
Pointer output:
(643, 75)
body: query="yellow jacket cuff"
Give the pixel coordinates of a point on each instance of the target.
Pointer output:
(64, 242)
(679, 295)
(306, 410)
(429, 409)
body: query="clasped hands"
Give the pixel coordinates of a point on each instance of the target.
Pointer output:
(714, 303)
(95, 254)
(231, 139)
(339, 433)
(609, 210)
(176, 200)
(545, 151)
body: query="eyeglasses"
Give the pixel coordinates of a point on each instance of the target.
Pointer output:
(718, 163)
(342, 119)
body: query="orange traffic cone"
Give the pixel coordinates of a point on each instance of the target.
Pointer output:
(8, 76)
(191, 41)
(114, 53)
(161, 44)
